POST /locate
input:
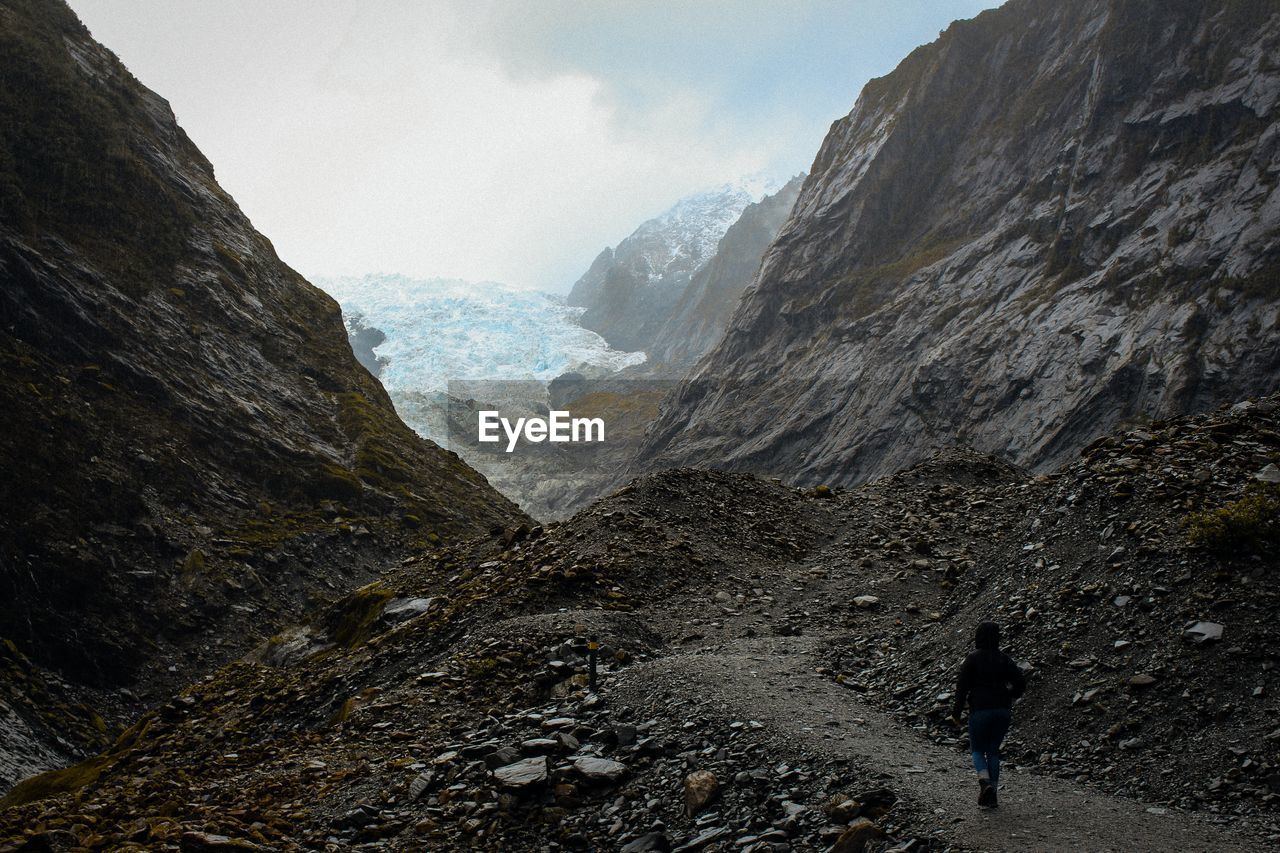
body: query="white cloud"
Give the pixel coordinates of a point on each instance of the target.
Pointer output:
(479, 140)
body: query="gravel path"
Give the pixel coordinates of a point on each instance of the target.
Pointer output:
(772, 680)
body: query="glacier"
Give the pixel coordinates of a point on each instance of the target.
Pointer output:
(441, 330)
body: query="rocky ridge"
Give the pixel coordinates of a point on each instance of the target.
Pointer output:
(191, 451)
(1054, 220)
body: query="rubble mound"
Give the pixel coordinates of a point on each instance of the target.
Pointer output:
(1152, 661)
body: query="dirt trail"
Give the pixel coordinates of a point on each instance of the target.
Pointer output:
(772, 680)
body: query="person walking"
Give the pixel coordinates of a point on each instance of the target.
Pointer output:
(989, 682)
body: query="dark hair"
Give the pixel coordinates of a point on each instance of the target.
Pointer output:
(987, 636)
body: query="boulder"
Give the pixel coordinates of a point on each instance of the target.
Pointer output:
(539, 746)
(208, 842)
(703, 839)
(700, 788)
(420, 784)
(525, 773)
(505, 755)
(856, 838)
(650, 842)
(404, 609)
(1203, 632)
(600, 770)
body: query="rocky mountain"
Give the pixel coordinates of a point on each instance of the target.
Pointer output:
(774, 672)
(1055, 219)
(629, 290)
(191, 452)
(698, 318)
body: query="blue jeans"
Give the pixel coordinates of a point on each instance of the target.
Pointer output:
(987, 729)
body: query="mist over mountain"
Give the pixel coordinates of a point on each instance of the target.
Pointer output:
(526, 352)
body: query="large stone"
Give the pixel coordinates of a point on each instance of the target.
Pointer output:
(876, 803)
(539, 746)
(567, 742)
(650, 842)
(420, 784)
(523, 774)
(856, 838)
(702, 839)
(600, 769)
(505, 755)
(208, 842)
(404, 609)
(700, 788)
(1203, 632)
(558, 723)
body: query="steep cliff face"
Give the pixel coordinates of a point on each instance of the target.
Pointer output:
(699, 317)
(191, 451)
(630, 290)
(1056, 218)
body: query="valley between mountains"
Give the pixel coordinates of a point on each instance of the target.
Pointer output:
(1010, 350)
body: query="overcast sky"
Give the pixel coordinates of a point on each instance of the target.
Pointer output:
(499, 140)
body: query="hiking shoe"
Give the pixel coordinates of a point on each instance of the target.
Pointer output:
(995, 803)
(986, 793)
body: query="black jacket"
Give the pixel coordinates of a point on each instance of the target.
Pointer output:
(988, 679)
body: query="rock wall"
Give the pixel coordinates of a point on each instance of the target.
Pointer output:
(1055, 219)
(191, 451)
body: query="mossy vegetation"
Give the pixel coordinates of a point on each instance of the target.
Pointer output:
(1251, 524)
(390, 459)
(77, 776)
(481, 668)
(1262, 283)
(229, 259)
(378, 462)
(343, 712)
(865, 289)
(52, 782)
(195, 562)
(270, 533)
(335, 482)
(350, 622)
(46, 703)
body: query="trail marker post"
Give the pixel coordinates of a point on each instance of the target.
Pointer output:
(593, 648)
